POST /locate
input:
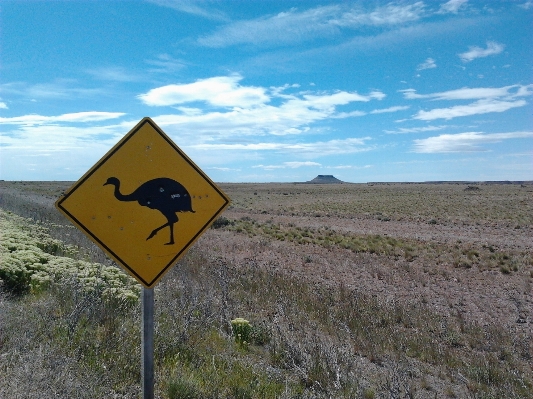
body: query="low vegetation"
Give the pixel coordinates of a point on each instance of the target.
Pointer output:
(70, 326)
(460, 254)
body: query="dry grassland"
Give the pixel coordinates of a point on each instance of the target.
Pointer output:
(351, 290)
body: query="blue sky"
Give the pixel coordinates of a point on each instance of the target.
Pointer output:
(272, 91)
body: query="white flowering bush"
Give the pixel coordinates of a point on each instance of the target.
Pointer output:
(28, 263)
(242, 330)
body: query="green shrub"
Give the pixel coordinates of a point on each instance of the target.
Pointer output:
(242, 330)
(181, 388)
(28, 264)
(222, 222)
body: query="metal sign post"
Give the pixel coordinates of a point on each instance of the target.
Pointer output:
(147, 354)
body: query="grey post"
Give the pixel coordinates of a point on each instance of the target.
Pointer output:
(148, 343)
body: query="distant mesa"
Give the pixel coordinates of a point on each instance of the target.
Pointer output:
(325, 179)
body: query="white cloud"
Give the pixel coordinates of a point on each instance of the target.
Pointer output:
(428, 64)
(328, 101)
(3, 105)
(507, 92)
(390, 14)
(77, 117)
(476, 108)
(222, 91)
(296, 26)
(350, 114)
(317, 149)
(489, 100)
(268, 167)
(390, 109)
(404, 130)
(285, 165)
(375, 111)
(474, 52)
(464, 142)
(222, 169)
(296, 164)
(451, 6)
(527, 5)
(192, 7)
(249, 110)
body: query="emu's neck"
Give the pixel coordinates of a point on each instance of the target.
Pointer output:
(122, 197)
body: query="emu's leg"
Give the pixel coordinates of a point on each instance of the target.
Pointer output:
(171, 226)
(154, 232)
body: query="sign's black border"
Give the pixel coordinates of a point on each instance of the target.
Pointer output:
(101, 162)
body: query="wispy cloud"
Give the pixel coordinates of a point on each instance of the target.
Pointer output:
(285, 165)
(464, 142)
(316, 149)
(474, 52)
(165, 63)
(357, 113)
(3, 105)
(395, 108)
(490, 99)
(60, 150)
(40, 140)
(428, 64)
(404, 130)
(114, 73)
(476, 108)
(59, 89)
(296, 26)
(451, 6)
(391, 14)
(466, 93)
(192, 7)
(77, 117)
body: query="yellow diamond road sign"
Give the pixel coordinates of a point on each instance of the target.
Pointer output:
(144, 203)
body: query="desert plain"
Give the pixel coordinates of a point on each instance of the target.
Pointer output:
(376, 290)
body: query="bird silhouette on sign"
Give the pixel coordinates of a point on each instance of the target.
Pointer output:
(164, 194)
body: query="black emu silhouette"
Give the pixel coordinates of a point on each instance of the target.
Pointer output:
(164, 194)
